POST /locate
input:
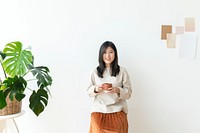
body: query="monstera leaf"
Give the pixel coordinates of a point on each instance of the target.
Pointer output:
(42, 75)
(2, 100)
(15, 87)
(2, 55)
(38, 101)
(17, 60)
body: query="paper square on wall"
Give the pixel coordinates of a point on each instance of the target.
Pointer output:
(179, 30)
(165, 29)
(188, 46)
(189, 24)
(171, 40)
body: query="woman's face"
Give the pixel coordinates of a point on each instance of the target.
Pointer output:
(108, 56)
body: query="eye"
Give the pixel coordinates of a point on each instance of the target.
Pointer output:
(111, 51)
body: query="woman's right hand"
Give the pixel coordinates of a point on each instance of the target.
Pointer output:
(98, 89)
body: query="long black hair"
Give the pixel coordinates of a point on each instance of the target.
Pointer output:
(115, 68)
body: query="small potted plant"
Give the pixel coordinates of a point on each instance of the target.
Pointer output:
(16, 64)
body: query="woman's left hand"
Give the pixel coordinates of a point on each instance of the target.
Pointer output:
(114, 90)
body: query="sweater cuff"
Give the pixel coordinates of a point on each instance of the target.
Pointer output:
(123, 93)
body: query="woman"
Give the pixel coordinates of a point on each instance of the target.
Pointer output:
(109, 110)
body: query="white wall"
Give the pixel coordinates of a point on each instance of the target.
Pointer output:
(66, 34)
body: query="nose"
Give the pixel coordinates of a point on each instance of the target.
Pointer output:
(107, 55)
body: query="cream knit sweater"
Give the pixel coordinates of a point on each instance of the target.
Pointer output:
(105, 102)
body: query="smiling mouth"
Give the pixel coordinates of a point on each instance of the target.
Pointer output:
(108, 60)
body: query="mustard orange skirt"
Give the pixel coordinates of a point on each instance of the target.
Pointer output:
(108, 122)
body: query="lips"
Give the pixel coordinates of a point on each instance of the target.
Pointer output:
(107, 59)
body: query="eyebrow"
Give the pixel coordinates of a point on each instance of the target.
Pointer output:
(110, 50)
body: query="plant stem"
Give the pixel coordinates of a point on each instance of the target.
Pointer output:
(3, 70)
(26, 73)
(29, 88)
(31, 79)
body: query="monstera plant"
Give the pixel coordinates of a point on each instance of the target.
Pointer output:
(16, 64)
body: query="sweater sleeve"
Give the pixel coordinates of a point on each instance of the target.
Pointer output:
(92, 86)
(125, 90)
